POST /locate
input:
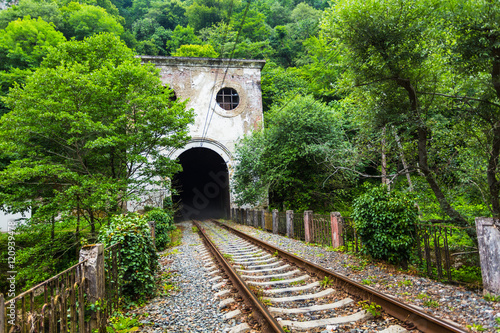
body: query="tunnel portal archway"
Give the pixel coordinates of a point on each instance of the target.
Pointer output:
(202, 186)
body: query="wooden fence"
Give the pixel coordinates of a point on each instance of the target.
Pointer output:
(432, 247)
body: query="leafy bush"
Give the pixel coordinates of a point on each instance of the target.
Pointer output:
(385, 222)
(164, 224)
(139, 261)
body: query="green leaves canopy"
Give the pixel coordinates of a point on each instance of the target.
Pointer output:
(88, 128)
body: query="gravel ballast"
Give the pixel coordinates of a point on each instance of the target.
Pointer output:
(455, 303)
(191, 306)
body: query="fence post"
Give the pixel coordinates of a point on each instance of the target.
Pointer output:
(263, 218)
(275, 221)
(289, 223)
(2, 314)
(336, 225)
(152, 227)
(488, 237)
(255, 218)
(308, 226)
(93, 271)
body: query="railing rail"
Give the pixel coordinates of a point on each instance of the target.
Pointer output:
(61, 303)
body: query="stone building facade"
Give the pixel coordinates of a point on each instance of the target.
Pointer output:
(227, 101)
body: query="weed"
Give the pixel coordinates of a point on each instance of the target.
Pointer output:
(320, 255)
(265, 301)
(422, 296)
(194, 229)
(275, 254)
(285, 329)
(122, 324)
(405, 283)
(367, 282)
(277, 279)
(294, 283)
(492, 298)
(405, 294)
(431, 303)
(372, 308)
(361, 265)
(229, 257)
(326, 282)
(476, 328)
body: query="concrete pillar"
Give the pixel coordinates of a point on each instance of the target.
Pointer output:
(93, 271)
(263, 218)
(289, 223)
(336, 225)
(152, 227)
(308, 226)
(275, 221)
(255, 218)
(488, 237)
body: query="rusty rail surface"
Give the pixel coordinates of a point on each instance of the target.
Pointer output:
(260, 312)
(392, 306)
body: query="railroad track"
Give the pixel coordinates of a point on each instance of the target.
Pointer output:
(284, 293)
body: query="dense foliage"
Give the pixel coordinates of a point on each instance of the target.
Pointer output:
(86, 129)
(164, 223)
(139, 260)
(404, 93)
(385, 222)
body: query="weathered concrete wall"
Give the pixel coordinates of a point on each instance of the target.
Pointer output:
(199, 80)
(488, 235)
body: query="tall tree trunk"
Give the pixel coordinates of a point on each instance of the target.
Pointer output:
(424, 166)
(385, 181)
(53, 229)
(491, 172)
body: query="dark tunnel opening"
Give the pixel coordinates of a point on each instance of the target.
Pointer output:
(202, 186)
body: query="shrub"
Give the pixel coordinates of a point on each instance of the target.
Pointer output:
(385, 222)
(164, 223)
(139, 261)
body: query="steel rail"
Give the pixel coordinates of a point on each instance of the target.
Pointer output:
(260, 312)
(392, 306)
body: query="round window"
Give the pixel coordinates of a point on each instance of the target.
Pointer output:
(228, 98)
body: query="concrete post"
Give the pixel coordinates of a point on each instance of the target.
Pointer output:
(488, 237)
(289, 223)
(263, 218)
(255, 218)
(152, 227)
(93, 271)
(308, 226)
(336, 225)
(275, 221)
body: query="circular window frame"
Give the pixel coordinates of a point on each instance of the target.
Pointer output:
(228, 93)
(242, 100)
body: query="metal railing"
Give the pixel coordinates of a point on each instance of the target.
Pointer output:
(61, 303)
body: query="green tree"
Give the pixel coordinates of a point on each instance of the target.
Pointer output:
(24, 42)
(288, 158)
(81, 20)
(87, 128)
(475, 57)
(48, 11)
(182, 36)
(392, 52)
(203, 51)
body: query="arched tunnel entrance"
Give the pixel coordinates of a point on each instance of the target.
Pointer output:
(202, 186)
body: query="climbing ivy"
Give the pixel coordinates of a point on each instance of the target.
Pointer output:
(139, 261)
(164, 223)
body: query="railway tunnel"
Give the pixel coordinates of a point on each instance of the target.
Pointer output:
(202, 187)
